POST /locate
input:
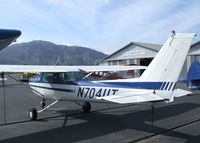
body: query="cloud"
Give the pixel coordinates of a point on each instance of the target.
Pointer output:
(150, 22)
(105, 25)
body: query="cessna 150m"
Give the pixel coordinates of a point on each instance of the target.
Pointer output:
(157, 83)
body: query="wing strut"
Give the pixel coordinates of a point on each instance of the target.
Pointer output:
(25, 85)
(4, 96)
(87, 75)
(48, 106)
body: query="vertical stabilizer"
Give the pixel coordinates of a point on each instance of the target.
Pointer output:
(167, 64)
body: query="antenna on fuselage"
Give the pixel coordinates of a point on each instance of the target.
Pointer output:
(57, 60)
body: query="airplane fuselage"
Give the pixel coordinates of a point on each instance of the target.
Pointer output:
(72, 91)
(92, 90)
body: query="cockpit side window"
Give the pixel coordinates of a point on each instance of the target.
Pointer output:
(74, 76)
(61, 77)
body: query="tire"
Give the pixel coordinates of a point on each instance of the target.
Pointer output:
(86, 106)
(42, 104)
(33, 114)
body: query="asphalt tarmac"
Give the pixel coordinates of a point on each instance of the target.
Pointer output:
(65, 122)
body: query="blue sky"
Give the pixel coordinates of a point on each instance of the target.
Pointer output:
(103, 25)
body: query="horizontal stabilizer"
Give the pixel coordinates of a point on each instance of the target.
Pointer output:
(180, 92)
(131, 97)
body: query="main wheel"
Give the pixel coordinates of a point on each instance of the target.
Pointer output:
(33, 114)
(86, 106)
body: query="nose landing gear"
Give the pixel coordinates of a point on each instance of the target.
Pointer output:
(33, 113)
(43, 104)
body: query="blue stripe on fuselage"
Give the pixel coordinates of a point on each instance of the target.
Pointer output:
(134, 85)
(52, 88)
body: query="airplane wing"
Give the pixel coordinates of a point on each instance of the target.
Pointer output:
(131, 97)
(40, 68)
(7, 37)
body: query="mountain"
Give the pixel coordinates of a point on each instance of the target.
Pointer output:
(47, 53)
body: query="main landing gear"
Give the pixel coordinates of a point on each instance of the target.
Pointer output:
(86, 106)
(33, 114)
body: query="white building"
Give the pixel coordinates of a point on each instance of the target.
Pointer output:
(143, 53)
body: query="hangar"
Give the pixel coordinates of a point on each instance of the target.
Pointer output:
(137, 53)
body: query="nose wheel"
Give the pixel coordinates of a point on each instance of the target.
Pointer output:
(42, 104)
(33, 113)
(86, 106)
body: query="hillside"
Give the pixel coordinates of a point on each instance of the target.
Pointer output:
(47, 53)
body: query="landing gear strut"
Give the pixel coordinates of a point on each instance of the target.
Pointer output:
(86, 106)
(42, 104)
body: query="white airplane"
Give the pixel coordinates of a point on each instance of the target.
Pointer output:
(65, 83)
